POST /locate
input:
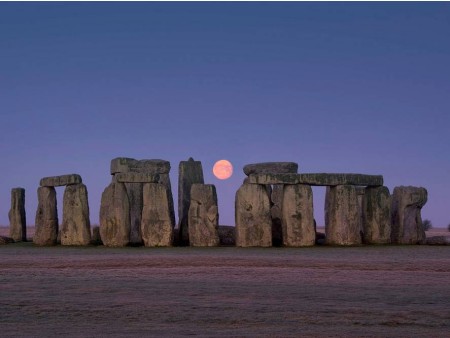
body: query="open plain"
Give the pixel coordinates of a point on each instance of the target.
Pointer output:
(135, 291)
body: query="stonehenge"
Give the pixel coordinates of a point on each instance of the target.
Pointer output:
(17, 216)
(203, 216)
(273, 207)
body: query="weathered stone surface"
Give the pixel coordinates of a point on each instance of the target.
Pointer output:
(227, 235)
(5, 240)
(164, 179)
(407, 225)
(342, 216)
(270, 168)
(203, 216)
(438, 240)
(276, 202)
(132, 177)
(189, 173)
(253, 220)
(376, 213)
(17, 216)
(135, 192)
(76, 226)
(46, 223)
(298, 216)
(57, 181)
(157, 224)
(96, 239)
(317, 179)
(125, 165)
(115, 216)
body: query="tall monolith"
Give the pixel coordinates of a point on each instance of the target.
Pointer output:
(298, 216)
(115, 216)
(134, 192)
(17, 216)
(407, 227)
(203, 216)
(157, 225)
(189, 172)
(76, 225)
(46, 224)
(253, 219)
(342, 216)
(376, 215)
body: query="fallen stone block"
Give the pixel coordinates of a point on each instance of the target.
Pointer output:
(57, 181)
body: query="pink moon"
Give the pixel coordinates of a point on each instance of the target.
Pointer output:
(223, 169)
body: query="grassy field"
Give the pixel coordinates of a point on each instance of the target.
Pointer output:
(367, 291)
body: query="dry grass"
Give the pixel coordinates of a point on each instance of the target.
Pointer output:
(322, 291)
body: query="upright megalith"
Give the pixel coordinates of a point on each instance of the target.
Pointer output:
(115, 216)
(407, 227)
(253, 219)
(276, 205)
(46, 223)
(203, 216)
(376, 215)
(76, 225)
(129, 170)
(298, 216)
(189, 172)
(342, 221)
(156, 224)
(17, 216)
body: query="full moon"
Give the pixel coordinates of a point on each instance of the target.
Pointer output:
(223, 169)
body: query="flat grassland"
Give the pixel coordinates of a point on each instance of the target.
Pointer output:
(369, 291)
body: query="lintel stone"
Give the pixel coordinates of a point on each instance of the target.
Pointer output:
(271, 168)
(321, 179)
(57, 181)
(132, 177)
(125, 165)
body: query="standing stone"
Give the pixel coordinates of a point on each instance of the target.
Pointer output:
(203, 216)
(342, 216)
(298, 216)
(157, 224)
(76, 226)
(46, 223)
(407, 227)
(276, 203)
(253, 220)
(376, 213)
(134, 192)
(115, 216)
(17, 216)
(189, 173)
(164, 179)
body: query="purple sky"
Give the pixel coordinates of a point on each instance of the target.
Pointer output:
(335, 87)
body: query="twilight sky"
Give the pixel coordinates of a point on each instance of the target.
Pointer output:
(335, 87)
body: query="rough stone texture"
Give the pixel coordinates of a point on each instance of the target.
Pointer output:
(276, 202)
(376, 213)
(125, 165)
(298, 216)
(115, 216)
(46, 223)
(227, 235)
(253, 219)
(17, 216)
(203, 216)
(407, 225)
(189, 173)
(76, 226)
(157, 224)
(57, 181)
(317, 179)
(132, 177)
(438, 240)
(164, 179)
(271, 168)
(342, 216)
(96, 239)
(5, 240)
(135, 192)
